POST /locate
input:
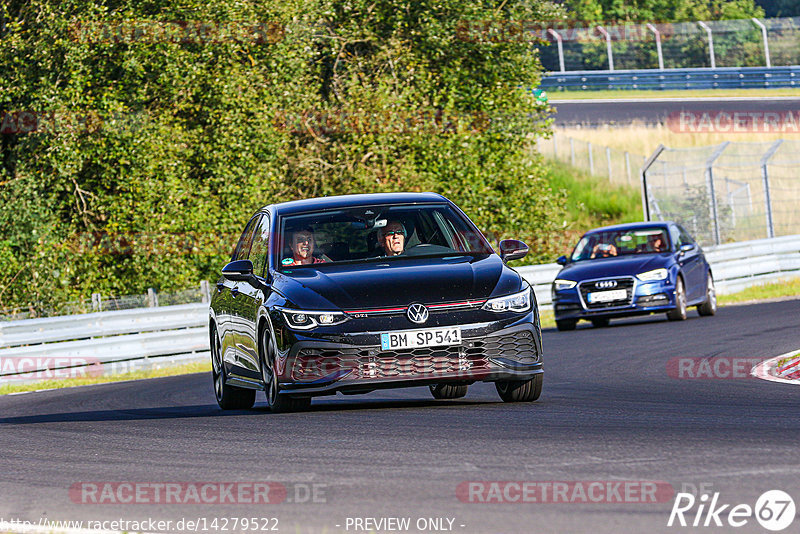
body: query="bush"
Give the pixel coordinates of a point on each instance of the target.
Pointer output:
(153, 143)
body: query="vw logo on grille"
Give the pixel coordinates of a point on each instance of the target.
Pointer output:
(417, 313)
(605, 284)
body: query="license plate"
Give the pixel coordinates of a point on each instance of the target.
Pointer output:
(607, 296)
(430, 337)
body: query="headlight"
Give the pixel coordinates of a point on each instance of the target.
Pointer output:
(561, 285)
(656, 274)
(518, 302)
(306, 320)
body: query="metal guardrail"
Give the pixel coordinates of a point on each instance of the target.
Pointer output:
(99, 342)
(736, 266)
(691, 78)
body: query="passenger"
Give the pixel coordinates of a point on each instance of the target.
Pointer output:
(603, 250)
(392, 238)
(302, 245)
(657, 243)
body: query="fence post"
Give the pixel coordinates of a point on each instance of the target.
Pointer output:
(710, 180)
(765, 178)
(628, 166)
(555, 146)
(152, 298)
(560, 45)
(710, 44)
(97, 302)
(608, 160)
(605, 34)
(591, 159)
(204, 292)
(766, 41)
(645, 167)
(658, 45)
(572, 151)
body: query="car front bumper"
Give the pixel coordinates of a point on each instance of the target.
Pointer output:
(656, 296)
(488, 352)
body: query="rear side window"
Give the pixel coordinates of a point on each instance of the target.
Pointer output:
(242, 251)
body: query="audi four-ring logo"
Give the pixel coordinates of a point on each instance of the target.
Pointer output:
(606, 284)
(417, 313)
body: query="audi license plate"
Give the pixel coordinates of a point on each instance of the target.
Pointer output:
(430, 337)
(607, 296)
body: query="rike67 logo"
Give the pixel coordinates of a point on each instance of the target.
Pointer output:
(774, 510)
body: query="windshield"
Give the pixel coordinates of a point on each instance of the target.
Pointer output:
(615, 243)
(376, 232)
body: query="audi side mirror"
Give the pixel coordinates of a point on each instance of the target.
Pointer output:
(562, 260)
(238, 271)
(512, 249)
(687, 248)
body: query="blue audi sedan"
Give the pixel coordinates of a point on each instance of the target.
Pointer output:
(633, 269)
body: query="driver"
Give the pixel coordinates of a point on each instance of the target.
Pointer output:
(302, 245)
(603, 250)
(657, 243)
(392, 238)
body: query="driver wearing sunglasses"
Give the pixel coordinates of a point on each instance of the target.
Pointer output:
(392, 238)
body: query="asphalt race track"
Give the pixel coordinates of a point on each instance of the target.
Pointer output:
(654, 111)
(609, 412)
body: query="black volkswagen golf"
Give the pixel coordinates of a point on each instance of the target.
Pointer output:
(355, 293)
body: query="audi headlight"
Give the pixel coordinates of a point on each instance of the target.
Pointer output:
(561, 285)
(306, 320)
(518, 302)
(655, 274)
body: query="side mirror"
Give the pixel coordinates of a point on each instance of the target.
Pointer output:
(562, 260)
(511, 249)
(687, 248)
(238, 271)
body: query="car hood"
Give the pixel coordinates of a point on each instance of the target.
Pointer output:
(622, 266)
(396, 282)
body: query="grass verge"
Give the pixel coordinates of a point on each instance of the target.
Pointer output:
(781, 289)
(170, 370)
(695, 93)
(593, 201)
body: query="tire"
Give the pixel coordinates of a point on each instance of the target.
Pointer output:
(679, 313)
(709, 307)
(520, 390)
(566, 324)
(448, 391)
(276, 402)
(228, 397)
(600, 323)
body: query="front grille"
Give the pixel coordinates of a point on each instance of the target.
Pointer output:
(469, 358)
(602, 285)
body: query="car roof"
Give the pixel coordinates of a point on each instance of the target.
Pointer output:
(351, 201)
(631, 226)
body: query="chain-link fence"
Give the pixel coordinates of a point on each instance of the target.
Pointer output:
(728, 192)
(619, 166)
(728, 43)
(99, 302)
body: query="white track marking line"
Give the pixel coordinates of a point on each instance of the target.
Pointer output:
(677, 99)
(761, 370)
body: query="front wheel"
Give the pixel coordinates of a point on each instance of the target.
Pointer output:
(448, 391)
(228, 397)
(709, 307)
(520, 390)
(679, 313)
(276, 402)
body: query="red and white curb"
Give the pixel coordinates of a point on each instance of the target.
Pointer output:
(784, 368)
